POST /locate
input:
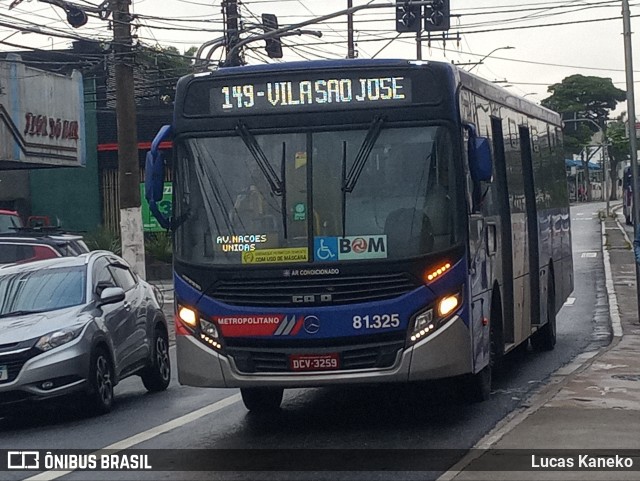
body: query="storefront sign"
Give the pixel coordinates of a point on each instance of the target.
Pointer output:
(41, 117)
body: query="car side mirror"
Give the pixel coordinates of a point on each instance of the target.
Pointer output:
(111, 295)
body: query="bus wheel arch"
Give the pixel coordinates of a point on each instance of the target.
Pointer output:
(477, 386)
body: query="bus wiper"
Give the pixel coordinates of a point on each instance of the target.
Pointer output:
(276, 185)
(349, 180)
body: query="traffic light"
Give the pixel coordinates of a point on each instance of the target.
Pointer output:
(437, 16)
(274, 45)
(407, 16)
(76, 16)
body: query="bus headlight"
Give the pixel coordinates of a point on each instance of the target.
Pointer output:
(209, 334)
(201, 328)
(428, 320)
(447, 305)
(188, 316)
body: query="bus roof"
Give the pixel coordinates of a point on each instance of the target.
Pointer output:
(320, 65)
(473, 82)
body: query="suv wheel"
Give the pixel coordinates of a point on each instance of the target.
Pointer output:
(157, 376)
(101, 381)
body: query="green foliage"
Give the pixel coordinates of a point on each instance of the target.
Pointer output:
(168, 65)
(583, 97)
(104, 238)
(158, 246)
(617, 137)
(592, 96)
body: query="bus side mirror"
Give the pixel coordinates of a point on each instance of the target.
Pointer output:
(479, 154)
(154, 176)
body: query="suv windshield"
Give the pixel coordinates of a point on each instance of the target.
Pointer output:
(333, 203)
(42, 290)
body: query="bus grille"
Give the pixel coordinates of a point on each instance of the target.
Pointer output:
(343, 290)
(250, 360)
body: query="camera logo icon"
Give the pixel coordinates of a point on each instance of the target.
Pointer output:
(23, 460)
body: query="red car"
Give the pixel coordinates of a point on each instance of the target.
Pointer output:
(9, 222)
(27, 246)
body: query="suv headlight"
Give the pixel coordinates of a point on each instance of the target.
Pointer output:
(58, 338)
(428, 320)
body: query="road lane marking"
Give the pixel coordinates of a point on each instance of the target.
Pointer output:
(589, 254)
(148, 434)
(570, 301)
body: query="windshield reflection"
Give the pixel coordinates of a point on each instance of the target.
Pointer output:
(397, 201)
(42, 290)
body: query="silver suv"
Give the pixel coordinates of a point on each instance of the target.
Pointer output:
(78, 325)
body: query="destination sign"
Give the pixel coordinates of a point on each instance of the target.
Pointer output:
(314, 93)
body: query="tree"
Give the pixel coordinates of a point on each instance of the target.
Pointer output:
(582, 97)
(618, 149)
(167, 65)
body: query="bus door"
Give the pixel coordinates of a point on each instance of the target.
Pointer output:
(506, 252)
(532, 226)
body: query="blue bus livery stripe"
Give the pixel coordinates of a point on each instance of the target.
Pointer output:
(392, 315)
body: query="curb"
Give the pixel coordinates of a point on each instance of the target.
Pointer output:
(558, 379)
(614, 311)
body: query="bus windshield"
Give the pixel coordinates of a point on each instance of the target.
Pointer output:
(236, 209)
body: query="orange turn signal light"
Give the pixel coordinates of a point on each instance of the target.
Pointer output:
(438, 272)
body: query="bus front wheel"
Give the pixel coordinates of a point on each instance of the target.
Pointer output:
(262, 399)
(477, 387)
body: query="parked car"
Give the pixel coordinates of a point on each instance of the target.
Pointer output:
(9, 221)
(26, 245)
(78, 326)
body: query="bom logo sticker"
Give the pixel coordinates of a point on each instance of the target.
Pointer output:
(359, 245)
(362, 247)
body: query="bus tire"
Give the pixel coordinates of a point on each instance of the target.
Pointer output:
(544, 338)
(262, 399)
(478, 386)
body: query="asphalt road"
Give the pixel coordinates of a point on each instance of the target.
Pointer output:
(385, 417)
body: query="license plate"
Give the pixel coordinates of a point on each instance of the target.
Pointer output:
(4, 373)
(314, 362)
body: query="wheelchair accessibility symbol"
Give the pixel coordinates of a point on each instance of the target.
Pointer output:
(325, 249)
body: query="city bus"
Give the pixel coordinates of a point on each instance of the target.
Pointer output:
(360, 221)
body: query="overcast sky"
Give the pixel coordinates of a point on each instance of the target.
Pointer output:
(551, 39)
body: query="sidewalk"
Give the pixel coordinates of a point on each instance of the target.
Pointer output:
(597, 406)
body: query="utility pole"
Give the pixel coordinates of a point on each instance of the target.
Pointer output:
(605, 171)
(631, 109)
(232, 31)
(351, 50)
(128, 163)
(419, 44)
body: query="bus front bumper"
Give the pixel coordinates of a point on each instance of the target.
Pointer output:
(447, 352)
